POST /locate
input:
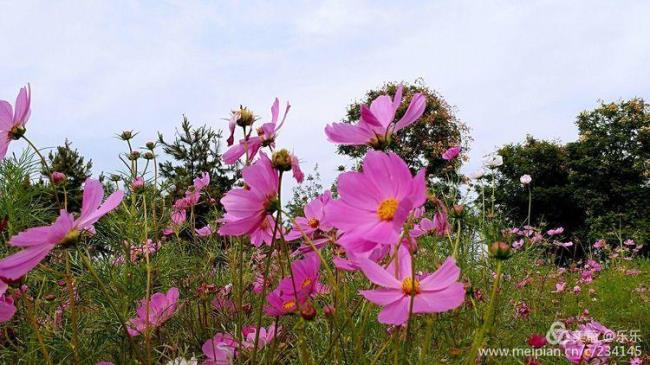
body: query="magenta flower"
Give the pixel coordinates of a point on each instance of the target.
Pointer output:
(451, 153)
(219, 350)
(202, 181)
(590, 341)
(265, 137)
(281, 302)
(12, 122)
(204, 232)
(599, 244)
(248, 208)
(159, 308)
(37, 242)
(377, 124)
(265, 337)
(7, 307)
(375, 203)
(306, 273)
(438, 292)
(314, 220)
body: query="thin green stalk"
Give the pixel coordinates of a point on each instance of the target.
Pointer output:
(73, 309)
(266, 272)
(487, 318)
(39, 337)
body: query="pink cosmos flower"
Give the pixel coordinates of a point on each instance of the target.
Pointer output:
(265, 137)
(7, 307)
(306, 273)
(247, 209)
(377, 124)
(280, 302)
(161, 307)
(451, 153)
(204, 232)
(202, 181)
(590, 341)
(594, 265)
(37, 242)
(265, 337)
(219, 350)
(356, 248)
(555, 231)
(438, 292)
(314, 220)
(559, 287)
(599, 244)
(375, 203)
(518, 244)
(12, 122)
(629, 243)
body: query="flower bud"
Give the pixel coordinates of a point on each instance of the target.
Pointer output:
(134, 155)
(17, 132)
(150, 145)
(329, 310)
(281, 160)
(126, 135)
(246, 117)
(58, 177)
(149, 155)
(457, 209)
(116, 178)
(500, 250)
(308, 312)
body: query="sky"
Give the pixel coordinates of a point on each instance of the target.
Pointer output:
(509, 68)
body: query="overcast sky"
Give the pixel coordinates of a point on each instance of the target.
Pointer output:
(509, 68)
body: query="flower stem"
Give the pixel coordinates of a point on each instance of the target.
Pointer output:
(73, 309)
(487, 318)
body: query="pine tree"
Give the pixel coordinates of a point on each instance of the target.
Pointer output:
(194, 151)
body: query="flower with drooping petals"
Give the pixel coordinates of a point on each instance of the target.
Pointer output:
(438, 292)
(247, 209)
(12, 122)
(295, 169)
(375, 203)
(159, 308)
(451, 153)
(266, 135)
(219, 350)
(37, 242)
(377, 122)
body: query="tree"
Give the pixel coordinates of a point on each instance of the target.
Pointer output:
(597, 187)
(76, 169)
(610, 165)
(194, 151)
(421, 144)
(553, 202)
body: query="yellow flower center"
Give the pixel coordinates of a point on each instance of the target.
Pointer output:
(289, 305)
(410, 286)
(387, 209)
(71, 237)
(313, 222)
(307, 282)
